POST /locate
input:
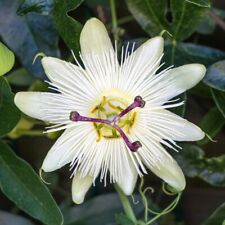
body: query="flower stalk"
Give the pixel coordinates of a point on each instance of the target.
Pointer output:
(126, 205)
(114, 19)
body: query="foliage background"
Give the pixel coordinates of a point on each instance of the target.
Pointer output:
(194, 31)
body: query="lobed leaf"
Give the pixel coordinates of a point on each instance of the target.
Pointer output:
(28, 35)
(152, 16)
(68, 28)
(194, 164)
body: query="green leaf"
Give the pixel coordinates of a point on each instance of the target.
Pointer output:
(21, 185)
(206, 26)
(191, 53)
(194, 164)
(20, 77)
(151, 15)
(202, 3)
(28, 35)
(68, 28)
(7, 59)
(9, 114)
(215, 76)
(219, 99)
(12, 219)
(43, 7)
(201, 90)
(218, 217)
(182, 26)
(211, 124)
(98, 210)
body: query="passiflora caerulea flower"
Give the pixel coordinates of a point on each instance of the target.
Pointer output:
(114, 113)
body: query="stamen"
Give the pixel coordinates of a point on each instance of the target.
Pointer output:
(138, 102)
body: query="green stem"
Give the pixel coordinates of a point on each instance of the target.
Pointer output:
(126, 205)
(31, 132)
(125, 20)
(114, 19)
(174, 44)
(121, 21)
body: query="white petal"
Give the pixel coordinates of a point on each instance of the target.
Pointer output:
(65, 148)
(80, 186)
(94, 38)
(149, 53)
(142, 64)
(158, 160)
(176, 81)
(33, 104)
(98, 56)
(168, 125)
(54, 108)
(69, 79)
(28, 103)
(129, 179)
(170, 172)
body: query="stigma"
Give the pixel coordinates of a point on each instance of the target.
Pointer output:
(113, 121)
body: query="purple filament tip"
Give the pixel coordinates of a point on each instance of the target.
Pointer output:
(135, 146)
(74, 116)
(138, 102)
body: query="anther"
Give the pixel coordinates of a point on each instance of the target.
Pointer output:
(139, 100)
(74, 116)
(135, 146)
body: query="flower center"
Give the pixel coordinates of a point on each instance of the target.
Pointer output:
(108, 109)
(111, 117)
